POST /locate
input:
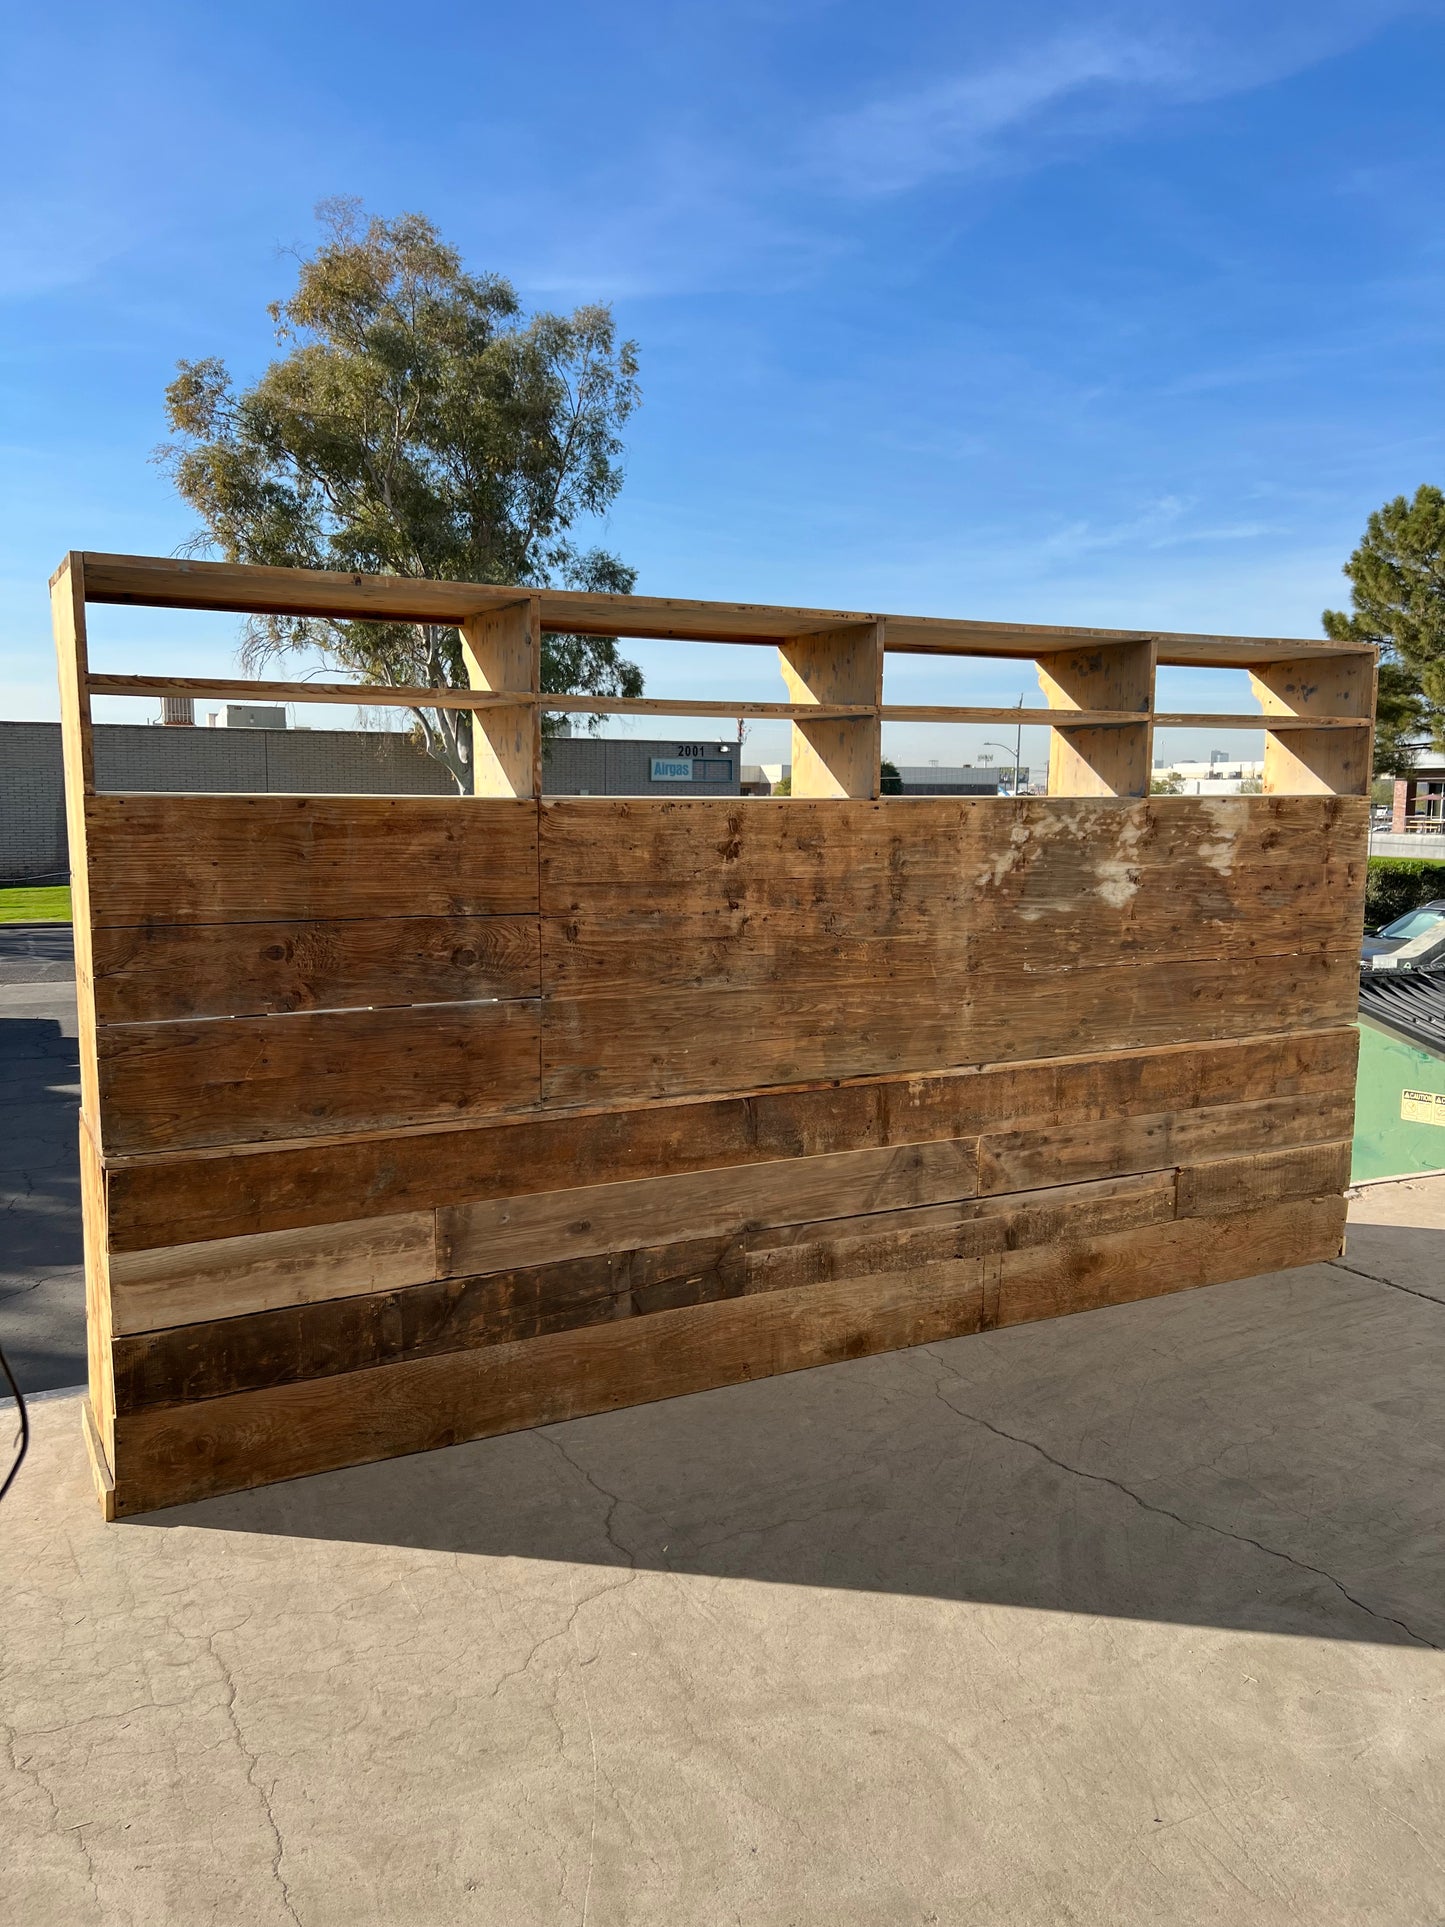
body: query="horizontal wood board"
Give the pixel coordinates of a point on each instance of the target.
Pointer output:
(169, 582)
(170, 1453)
(241, 1191)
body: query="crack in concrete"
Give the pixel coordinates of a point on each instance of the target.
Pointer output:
(1164, 1512)
(550, 1639)
(252, 1768)
(30, 1772)
(614, 1499)
(1340, 1265)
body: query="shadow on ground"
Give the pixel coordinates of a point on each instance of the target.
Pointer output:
(1265, 1455)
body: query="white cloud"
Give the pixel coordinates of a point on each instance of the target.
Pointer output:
(956, 125)
(1012, 106)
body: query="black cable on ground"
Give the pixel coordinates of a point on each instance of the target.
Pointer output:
(24, 1425)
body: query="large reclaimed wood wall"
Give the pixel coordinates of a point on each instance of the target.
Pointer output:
(408, 1121)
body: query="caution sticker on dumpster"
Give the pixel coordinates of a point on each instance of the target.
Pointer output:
(1422, 1107)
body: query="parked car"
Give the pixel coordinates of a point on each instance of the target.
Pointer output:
(1414, 923)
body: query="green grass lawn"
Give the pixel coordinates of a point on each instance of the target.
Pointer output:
(46, 903)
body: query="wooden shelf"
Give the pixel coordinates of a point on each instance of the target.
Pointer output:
(369, 695)
(1204, 720)
(1030, 718)
(669, 706)
(162, 582)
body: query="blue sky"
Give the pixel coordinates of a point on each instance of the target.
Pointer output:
(1121, 315)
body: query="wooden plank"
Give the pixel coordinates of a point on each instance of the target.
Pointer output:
(67, 614)
(1015, 713)
(654, 1041)
(1117, 1269)
(947, 636)
(1114, 760)
(249, 1079)
(836, 757)
(164, 582)
(784, 1257)
(318, 1339)
(366, 695)
(100, 1471)
(1223, 1186)
(230, 1277)
(681, 706)
(392, 695)
(1065, 1154)
(100, 1382)
(156, 970)
(893, 864)
(710, 894)
(180, 1198)
(496, 1234)
(264, 859)
(502, 651)
(167, 1455)
(1207, 719)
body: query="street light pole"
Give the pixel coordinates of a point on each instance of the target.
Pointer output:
(1018, 749)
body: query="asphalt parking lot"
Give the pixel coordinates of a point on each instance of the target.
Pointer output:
(42, 1290)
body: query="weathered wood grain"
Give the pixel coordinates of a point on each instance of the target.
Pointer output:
(216, 1358)
(1114, 760)
(165, 971)
(1066, 1153)
(98, 1321)
(219, 1081)
(229, 1277)
(671, 1042)
(264, 859)
(536, 1229)
(898, 863)
(835, 756)
(1230, 1184)
(1052, 1280)
(165, 582)
(166, 1455)
(218, 1195)
(693, 946)
(1318, 761)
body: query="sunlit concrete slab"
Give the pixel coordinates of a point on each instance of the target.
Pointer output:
(1128, 1617)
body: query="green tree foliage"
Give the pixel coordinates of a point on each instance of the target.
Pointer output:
(1397, 584)
(890, 782)
(416, 424)
(1167, 783)
(1395, 884)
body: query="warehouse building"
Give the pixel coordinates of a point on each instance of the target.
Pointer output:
(250, 750)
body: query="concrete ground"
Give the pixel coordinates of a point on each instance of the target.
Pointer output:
(42, 1286)
(1133, 1617)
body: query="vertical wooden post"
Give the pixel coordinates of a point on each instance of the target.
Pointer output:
(1101, 759)
(502, 649)
(67, 612)
(1318, 762)
(837, 756)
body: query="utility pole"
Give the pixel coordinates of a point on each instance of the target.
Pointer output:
(1018, 749)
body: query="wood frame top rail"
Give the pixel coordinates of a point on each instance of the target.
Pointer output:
(164, 582)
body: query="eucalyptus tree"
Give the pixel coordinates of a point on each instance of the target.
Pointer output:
(415, 423)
